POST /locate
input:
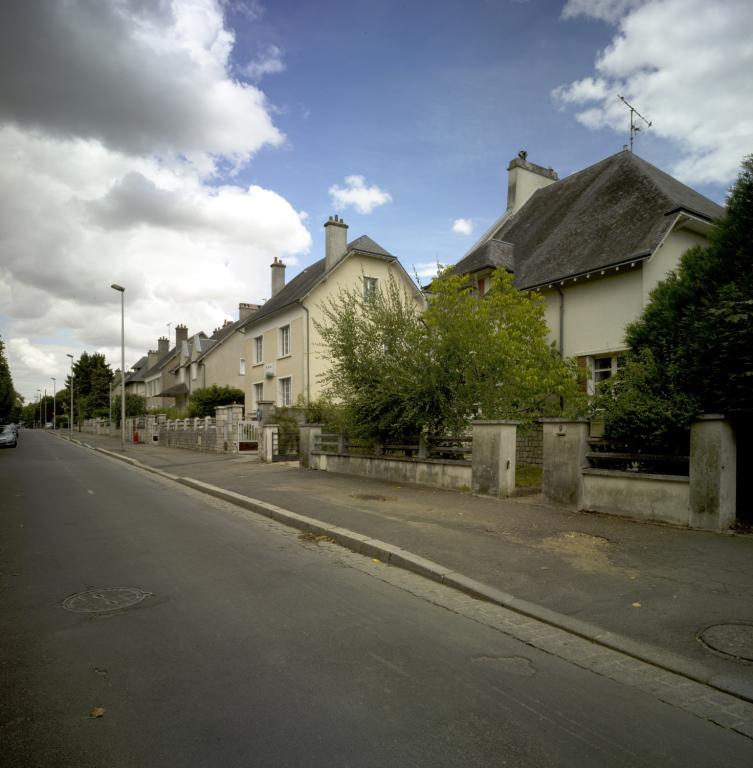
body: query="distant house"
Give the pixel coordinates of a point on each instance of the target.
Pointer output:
(216, 360)
(160, 382)
(594, 244)
(283, 350)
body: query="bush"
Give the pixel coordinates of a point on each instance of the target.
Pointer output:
(204, 401)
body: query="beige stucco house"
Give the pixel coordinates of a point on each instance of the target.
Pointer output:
(218, 359)
(594, 244)
(283, 350)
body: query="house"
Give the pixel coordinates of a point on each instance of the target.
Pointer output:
(594, 244)
(218, 359)
(134, 381)
(160, 382)
(283, 351)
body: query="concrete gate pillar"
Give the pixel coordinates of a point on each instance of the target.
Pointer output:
(493, 457)
(565, 448)
(713, 473)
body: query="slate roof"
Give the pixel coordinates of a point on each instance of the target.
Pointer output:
(615, 211)
(306, 280)
(137, 371)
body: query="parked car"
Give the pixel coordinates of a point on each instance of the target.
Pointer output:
(8, 436)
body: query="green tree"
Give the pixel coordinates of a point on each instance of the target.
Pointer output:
(398, 371)
(92, 378)
(696, 334)
(135, 406)
(9, 403)
(205, 400)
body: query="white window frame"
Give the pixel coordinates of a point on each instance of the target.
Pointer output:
(284, 340)
(259, 349)
(602, 373)
(242, 366)
(283, 383)
(258, 393)
(370, 287)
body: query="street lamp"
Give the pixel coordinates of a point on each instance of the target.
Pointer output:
(120, 288)
(54, 387)
(70, 417)
(39, 392)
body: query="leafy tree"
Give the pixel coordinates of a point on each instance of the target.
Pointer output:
(398, 371)
(9, 404)
(696, 333)
(135, 406)
(205, 400)
(92, 378)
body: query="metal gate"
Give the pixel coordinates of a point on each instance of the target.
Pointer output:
(284, 446)
(247, 436)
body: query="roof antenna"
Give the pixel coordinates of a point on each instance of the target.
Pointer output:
(633, 127)
(169, 328)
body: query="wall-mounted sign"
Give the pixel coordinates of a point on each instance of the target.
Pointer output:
(269, 370)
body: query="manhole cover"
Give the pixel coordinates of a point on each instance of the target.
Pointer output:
(731, 639)
(101, 600)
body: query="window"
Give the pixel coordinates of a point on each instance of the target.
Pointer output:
(242, 367)
(481, 286)
(369, 288)
(258, 393)
(284, 340)
(605, 367)
(259, 349)
(285, 391)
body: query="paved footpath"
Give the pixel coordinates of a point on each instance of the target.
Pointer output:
(624, 599)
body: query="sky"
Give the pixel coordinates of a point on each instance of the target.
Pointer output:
(176, 147)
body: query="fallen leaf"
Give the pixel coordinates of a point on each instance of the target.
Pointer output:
(375, 560)
(97, 712)
(636, 605)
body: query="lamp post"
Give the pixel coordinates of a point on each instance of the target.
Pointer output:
(39, 392)
(70, 417)
(54, 389)
(120, 288)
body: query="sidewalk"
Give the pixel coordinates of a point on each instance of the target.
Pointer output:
(651, 584)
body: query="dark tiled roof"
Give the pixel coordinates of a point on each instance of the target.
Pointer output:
(493, 253)
(137, 371)
(612, 212)
(177, 389)
(161, 363)
(365, 244)
(306, 280)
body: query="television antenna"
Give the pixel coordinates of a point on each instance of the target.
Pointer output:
(633, 113)
(170, 327)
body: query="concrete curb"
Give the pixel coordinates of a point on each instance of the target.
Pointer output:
(393, 555)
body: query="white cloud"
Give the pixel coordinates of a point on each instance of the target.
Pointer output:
(462, 226)
(357, 195)
(686, 65)
(112, 149)
(139, 77)
(267, 63)
(604, 10)
(427, 270)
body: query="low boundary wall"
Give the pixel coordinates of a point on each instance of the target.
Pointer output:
(455, 475)
(661, 498)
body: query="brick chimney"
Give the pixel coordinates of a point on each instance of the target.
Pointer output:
(151, 359)
(524, 178)
(336, 241)
(278, 276)
(163, 347)
(181, 335)
(246, 310)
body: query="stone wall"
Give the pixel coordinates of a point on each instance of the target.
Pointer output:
(530, 445)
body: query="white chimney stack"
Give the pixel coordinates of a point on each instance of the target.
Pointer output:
(524, 178)
(278, 276)
(336, 241)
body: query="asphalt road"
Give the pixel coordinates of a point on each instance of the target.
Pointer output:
(254, 647)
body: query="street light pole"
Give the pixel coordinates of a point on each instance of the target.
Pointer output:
(70, 417)
(120, 288)
(54, 388)
(39, 392)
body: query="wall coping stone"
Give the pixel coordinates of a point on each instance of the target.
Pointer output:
(634, 475)
(558, 420)
(504, 422)
(710, 417)
(382, 457)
